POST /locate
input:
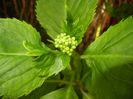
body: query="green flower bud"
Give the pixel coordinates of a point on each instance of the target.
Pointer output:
(65, 43)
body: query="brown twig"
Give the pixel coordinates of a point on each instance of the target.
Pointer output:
(16, 8)
(5, 9)
(31, 11)
(23, 8)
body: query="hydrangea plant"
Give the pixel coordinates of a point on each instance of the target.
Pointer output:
(28, 66)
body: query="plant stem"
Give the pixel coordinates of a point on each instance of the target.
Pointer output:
(60, 81)
(84, 76)
(86, 94)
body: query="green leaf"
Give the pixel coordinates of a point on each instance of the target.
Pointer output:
(69, 16)
(110, 58)
(19, 38)
(52, 63)
(79, 15)
(51, 15)
(16, 68)
(44, 89)
(27, 74)
(18, 76)
(63, 93)
(19, 72)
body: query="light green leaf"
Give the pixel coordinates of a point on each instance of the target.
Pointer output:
(79, 15)
(63, 93)
(110, 58)
(51, 15)
(69, 16)
(19, 38)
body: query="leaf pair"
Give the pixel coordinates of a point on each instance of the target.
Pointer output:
(69, 16)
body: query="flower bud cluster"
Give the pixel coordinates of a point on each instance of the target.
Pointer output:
(65, 43)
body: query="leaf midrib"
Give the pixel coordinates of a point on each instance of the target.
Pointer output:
(14, 54)
(107, 56)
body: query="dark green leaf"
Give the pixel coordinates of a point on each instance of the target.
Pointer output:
(110, 58)
(44, 89)
(63, 93)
